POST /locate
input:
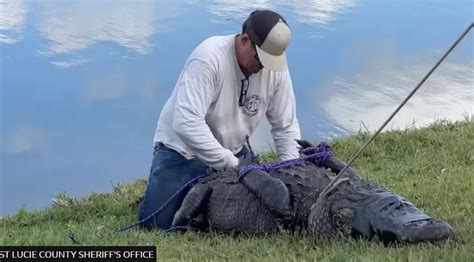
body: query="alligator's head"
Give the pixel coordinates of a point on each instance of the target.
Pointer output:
(351, 206)
(354, 207)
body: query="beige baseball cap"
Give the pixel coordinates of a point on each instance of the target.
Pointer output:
(271, 35)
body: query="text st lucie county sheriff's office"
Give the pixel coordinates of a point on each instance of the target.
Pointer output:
(81, 254)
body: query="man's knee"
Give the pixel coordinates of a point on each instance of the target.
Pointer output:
(159, 205)
(164, 183)
(150, 220)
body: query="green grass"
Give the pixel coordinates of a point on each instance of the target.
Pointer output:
(432, 167)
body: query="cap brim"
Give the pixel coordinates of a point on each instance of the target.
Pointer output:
(272, 62)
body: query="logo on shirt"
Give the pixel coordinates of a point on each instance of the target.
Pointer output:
(251, 105)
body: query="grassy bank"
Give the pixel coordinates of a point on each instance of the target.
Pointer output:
(431, 167)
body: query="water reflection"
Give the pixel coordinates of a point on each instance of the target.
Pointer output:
(320, 12)
(315, 12)
(70, 63)
(70, 28)
(67, 29)
(367, 100)
(237, 9)
(24, 140)
(114, 85)
(85, 80)
(12, 20)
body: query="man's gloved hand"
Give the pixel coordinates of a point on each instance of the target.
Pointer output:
(247, 159)
(303, 144)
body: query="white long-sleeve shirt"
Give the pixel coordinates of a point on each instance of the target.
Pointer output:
(203, 119)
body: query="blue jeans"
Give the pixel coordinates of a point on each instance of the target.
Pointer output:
(169, 172)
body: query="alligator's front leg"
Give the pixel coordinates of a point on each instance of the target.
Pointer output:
(193, 204)
(271, 191)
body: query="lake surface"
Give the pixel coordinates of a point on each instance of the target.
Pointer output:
(83, 82)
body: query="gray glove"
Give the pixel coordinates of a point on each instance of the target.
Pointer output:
(245, 158)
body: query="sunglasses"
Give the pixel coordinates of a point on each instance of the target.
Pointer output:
(243, 91)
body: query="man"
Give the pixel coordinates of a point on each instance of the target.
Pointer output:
(228, 84)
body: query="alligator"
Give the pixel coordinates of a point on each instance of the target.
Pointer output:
(307, 197)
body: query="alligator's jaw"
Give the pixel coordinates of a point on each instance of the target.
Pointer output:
(429, 230)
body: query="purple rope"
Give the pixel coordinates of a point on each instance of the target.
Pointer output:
(316, 155)
(208, 173)
(252, 153)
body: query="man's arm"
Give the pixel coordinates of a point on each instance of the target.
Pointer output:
(195, 93)
(281, 114)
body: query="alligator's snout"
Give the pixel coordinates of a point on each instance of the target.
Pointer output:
(429, 230)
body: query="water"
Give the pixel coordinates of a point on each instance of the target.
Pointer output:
(83, 82)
